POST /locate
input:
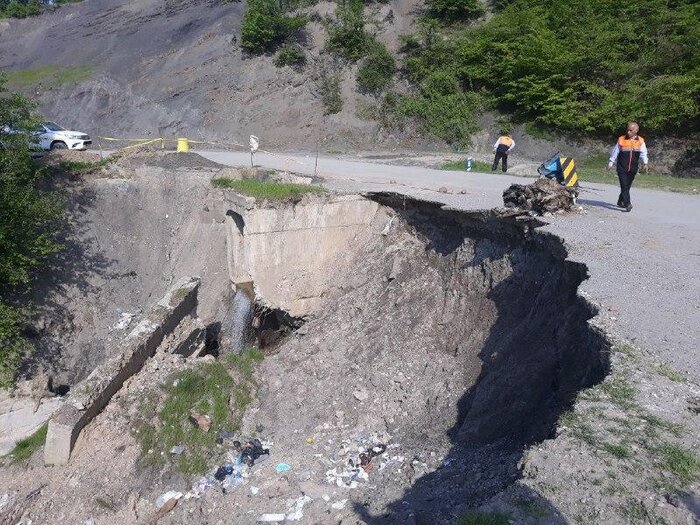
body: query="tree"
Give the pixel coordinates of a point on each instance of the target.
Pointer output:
(28, 222)
(265, 26)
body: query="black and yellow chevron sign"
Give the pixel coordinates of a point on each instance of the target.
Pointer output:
(568, 167)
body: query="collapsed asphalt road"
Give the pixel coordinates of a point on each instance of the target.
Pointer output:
(643, 265)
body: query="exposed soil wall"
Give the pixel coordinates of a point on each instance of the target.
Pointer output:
(454, 339)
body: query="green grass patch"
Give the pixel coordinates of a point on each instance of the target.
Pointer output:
(484, 518)
(636, 512)
(209, 390)
(620, 392)
(579, 428)
(49, 76)
(680, 461)
(656, 423)
(461, 165)
(619, 451)
(668, 372)
(79, 167)
(266, 190)
(25, 448)
(592, 169)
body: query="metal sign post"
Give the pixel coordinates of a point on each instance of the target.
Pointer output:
(254, 144)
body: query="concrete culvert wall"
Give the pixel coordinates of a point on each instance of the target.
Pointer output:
(456, 336)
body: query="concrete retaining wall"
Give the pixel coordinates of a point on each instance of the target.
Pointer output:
(92, 395)
(293, 252)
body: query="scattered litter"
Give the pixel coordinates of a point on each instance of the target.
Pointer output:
(162, 511)
(164, 498)
(89, 521)
(251, 451)
(222, 472)
(348, 470)
(326, 497)
(309, 441)
(254, 490)
(366, 457)
(177, 450)
(272, 518)
(203, 422)
(295, 512)
(339, 505)
(4, 499)
(282, 467)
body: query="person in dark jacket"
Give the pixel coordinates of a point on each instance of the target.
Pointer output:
(627, 153)
(502, 147)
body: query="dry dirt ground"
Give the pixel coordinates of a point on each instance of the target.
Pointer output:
(457, 342)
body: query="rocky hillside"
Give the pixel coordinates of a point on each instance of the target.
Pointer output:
(170, 68)
(413, 74)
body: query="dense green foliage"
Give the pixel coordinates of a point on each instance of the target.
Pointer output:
(265, 26)
(584, 67)
(377, 70)
(25, 8)
(454, 10)
(348, 37)
(443, 108)
(291, 55)
(27, 224)
(19, 9)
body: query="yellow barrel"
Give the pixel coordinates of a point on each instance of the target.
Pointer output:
(183, 146)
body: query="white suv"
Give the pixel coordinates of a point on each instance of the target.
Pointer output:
(53, 136)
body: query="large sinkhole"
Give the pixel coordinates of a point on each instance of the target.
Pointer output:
(460, 335)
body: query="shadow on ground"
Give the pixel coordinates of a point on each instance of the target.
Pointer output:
(67, 277)
(538, 354)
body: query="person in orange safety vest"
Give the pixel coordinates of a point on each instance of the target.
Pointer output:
(502, 147)
(627, 153)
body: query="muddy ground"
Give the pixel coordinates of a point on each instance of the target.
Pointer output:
(457, 341)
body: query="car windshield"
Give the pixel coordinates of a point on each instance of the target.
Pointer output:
(53, 127)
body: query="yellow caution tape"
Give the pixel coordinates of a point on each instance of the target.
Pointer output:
(143, 142)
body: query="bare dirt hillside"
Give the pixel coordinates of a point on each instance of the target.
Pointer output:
(171, 68)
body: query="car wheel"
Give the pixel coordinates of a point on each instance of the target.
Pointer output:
(59, 145)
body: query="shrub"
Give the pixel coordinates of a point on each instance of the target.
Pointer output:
(28, 218)
(347, 37)
(376, 71)
(265, 26)
(330, 94)
(21, 9)
(290, 56)
(454, 10)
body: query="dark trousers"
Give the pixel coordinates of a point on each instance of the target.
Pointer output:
(500, 156)
(626, 179)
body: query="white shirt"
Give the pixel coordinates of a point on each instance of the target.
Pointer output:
(499, 141)
(616, 151)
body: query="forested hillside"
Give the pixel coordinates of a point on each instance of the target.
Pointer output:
(568, 65)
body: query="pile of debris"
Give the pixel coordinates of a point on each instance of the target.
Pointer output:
(541, 197)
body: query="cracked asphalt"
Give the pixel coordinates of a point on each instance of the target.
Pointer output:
(644, 265)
